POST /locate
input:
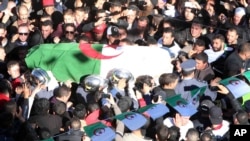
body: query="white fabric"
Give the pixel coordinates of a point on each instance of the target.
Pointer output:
(138, 60)
(174, 49)
(220, 132)
(169, 122)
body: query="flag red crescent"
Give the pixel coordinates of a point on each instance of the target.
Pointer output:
(92, 53)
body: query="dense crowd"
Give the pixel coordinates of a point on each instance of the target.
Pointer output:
(207, 41)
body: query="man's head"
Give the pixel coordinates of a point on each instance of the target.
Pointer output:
(115, 9)
(49, 6)
(201, 60)
(168, 36)
(112, 34)
(215, 115)
(232, 36)
(218, 42)
(189, 11)
(188, 68)
(238, 15)
(142, 24)
(63, 93)
(23, 31)
(132, 13)
(196, 28)
(168, 79)
(68, 16)
(167, 23)
(199, 46)
(23, 14)
(240, 118)
(69, 30)
(47, 28)
(13, 69)
(81, 14)
(244, 51)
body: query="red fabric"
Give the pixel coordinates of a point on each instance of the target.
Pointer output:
(142, 102)
(93, 118)
(3, 100)
(100, 28)
(59, 31)
(48, 2)
(89, 51)
(16, 82)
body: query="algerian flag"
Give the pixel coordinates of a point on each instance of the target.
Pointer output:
(154, 110)
(237, 87)
(99, 132)
(49, 139)
(132, 120)
(181, 105)
(247, 75)
(196, 94)
(70, 61)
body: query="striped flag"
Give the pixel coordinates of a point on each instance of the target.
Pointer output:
(236, 86)
(181, 105)
(154, 110)
(132, 120)
(196, 94)
(99, 132)
(70, 61)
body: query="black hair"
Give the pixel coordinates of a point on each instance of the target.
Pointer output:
(140, 80)
(61, 91)
(47, 23)
(167, 78)
(200, 42)
(41, 106)
(162, 133)
(125, 103)
(5, 86)
(169, 30)
(202, 56)
(59, 108)
(79, 111)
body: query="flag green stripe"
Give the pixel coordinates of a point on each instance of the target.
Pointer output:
(91, 128)
(247, 75)
(65, 60)
(227, 80)
(172, 100)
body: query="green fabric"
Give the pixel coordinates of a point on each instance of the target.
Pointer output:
(247, 75)
(145, 108)
(91, 128)
(50, 139)
(64, 60)
(199, 91)
(176, 99)
(227, 81)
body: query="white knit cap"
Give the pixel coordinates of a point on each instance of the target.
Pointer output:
(240, 11)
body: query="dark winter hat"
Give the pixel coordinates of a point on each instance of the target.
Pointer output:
(215, 115)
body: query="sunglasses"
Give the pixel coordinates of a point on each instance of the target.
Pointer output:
(69, 32)
(23, 33)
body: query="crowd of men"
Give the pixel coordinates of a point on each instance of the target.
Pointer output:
(207, 40)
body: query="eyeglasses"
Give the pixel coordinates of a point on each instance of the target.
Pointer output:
(69, 32)
(25, 34)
